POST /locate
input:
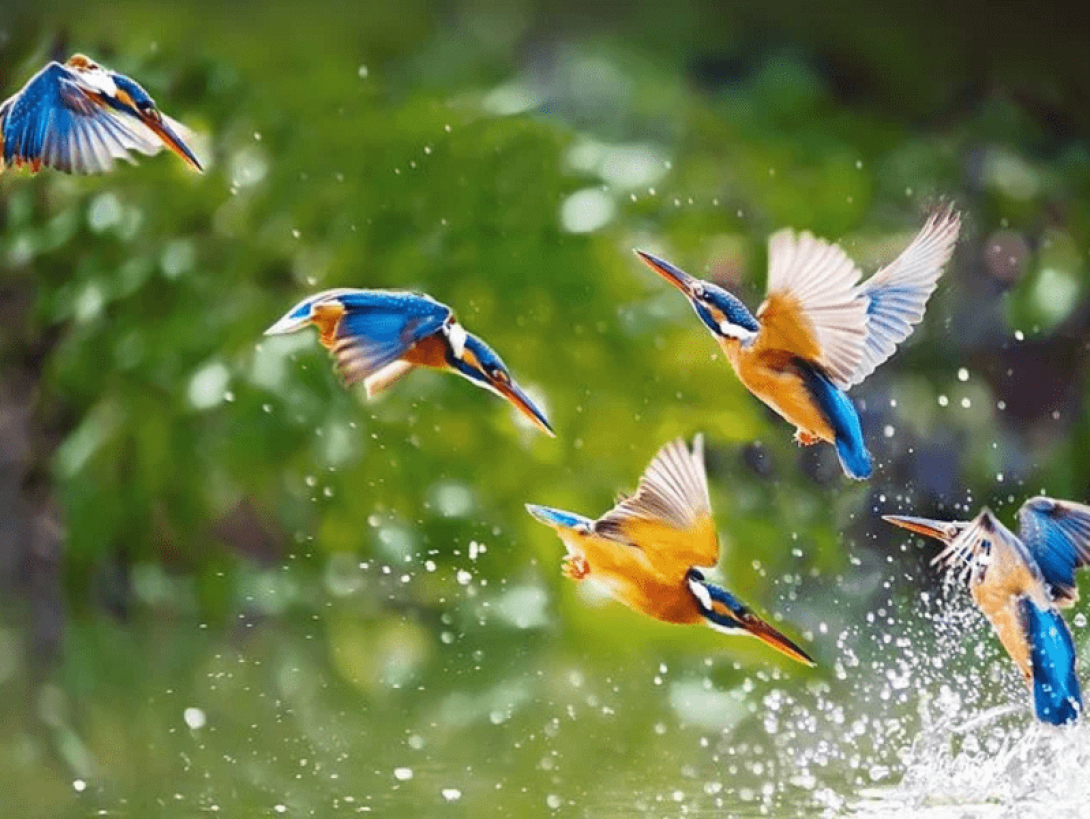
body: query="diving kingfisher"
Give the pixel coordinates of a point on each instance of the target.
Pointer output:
(820, 330)
(650, 550)
(1019, 582)
(78, 117)
(378, 336)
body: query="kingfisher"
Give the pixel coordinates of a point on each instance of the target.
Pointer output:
(78, 117)
(820, 329)
(652, 549)
(378, 336)
(1020, 582)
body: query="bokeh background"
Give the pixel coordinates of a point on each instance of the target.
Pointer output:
(228, 586)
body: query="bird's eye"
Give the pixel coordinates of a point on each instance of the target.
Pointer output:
(698, 291)
(499, 375)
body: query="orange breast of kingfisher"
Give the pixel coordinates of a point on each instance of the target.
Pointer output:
(632, 578)
(1006, 580)
(430, 351)
(773, 377)
(1001, 609)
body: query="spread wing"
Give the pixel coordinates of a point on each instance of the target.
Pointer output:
(813, 309)
(378, 328)
(895, 296)
(669, 516)
(1057, 534)
(53, 122)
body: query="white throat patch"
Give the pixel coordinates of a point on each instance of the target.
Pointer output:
(456, 335)
(736, 331)
(701, 593)
(98, 80)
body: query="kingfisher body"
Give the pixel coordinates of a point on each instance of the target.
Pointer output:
(820, 330)
(378, 336)
(649, 549)
(78, 117)
(1019, 582)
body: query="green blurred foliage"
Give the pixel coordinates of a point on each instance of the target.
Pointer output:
(233, 482)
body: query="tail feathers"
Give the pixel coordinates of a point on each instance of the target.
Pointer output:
(842, 417)
(854, 458)
(559, 519)
(1056, 696)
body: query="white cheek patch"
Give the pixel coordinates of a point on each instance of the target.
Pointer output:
(735, 331)
(456, 335)
(701, 593)
(98, 80)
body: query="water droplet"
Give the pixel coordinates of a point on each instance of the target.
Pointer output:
(194, 718)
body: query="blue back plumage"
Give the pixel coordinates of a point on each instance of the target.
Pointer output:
(558, 518)
(843, 418)
(1056, 696)
(387, 320)
(379, 327)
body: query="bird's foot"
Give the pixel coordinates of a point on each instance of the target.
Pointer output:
(575, 567)
(804, 438)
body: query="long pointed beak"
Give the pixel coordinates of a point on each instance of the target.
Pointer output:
(675, 275)
(513, 393)
(765, 633)
(162, 130)
(938, 529)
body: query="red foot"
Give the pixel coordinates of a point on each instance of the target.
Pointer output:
(804, 438)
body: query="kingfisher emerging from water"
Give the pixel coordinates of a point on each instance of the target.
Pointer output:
(649, 549)
(377, 336)
(79, 117)
(820, 330)
(1019, 582)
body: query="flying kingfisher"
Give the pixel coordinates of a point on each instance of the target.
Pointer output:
(648, 550)
(820, 330)
(1019, 582)
(377, 336)
(79, 117)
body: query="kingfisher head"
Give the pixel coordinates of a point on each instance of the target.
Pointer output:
(127, 97)
(722, 313)
(471, 358)
(725, 612)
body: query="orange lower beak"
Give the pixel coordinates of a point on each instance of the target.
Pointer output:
(172, 141)
(938, 529)
(675, 275)
(511, 391)
(765, 633)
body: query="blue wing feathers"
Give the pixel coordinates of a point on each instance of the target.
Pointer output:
(378, 328)
(1056, 695)
(843, 418)
(1057, 534)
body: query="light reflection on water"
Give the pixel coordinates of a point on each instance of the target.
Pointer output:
(352, 710)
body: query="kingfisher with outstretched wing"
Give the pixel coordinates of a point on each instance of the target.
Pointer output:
(1019, 582)
(378, 336)
(78, 117)
(820, 330)
(652, 549)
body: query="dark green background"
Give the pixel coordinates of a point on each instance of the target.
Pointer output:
(192, 516)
